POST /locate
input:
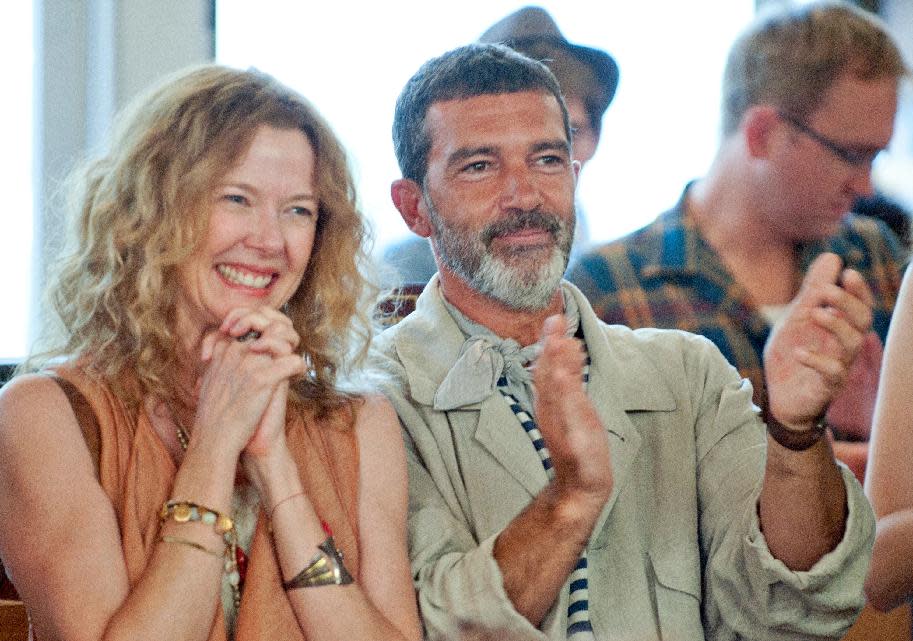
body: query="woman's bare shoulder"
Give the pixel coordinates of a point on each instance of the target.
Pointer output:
(31, 397)
(382, 459)
(376, 420)
(48, 481)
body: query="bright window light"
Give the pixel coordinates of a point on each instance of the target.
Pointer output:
(16, 171)
(352, 58)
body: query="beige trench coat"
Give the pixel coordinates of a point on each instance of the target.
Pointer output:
(677, 553)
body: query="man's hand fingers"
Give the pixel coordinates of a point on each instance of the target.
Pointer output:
(824, 270)
(848, 339)
(853, 282)
(856, 308)
(831, 369)
(553, 326)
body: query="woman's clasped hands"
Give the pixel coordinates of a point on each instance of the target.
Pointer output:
(247, 364)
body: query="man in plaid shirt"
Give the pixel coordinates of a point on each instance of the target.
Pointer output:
(810, 96)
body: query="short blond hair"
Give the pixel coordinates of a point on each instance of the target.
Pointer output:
(790, 58)
(136, 221)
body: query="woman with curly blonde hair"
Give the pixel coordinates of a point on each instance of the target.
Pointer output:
(182, 462)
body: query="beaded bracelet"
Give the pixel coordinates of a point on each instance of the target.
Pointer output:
(185, 511)
(188, 512)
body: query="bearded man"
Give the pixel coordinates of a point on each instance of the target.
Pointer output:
(574, 480)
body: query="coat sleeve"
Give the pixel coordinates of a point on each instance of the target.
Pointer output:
(747, 592)
(459, 584)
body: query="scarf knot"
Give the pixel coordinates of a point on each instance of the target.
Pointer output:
(481, 363)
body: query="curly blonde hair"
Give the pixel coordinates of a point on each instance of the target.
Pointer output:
(137, 219)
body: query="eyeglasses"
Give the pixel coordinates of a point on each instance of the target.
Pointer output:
(850, 156)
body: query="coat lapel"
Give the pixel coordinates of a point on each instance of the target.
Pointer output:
(428, 342)
(621, 380)
(502, 436)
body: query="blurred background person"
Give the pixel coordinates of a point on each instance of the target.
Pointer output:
(809, 99)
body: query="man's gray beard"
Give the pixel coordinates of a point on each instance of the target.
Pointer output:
(506, 281)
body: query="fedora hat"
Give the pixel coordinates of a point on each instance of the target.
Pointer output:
(584, 71)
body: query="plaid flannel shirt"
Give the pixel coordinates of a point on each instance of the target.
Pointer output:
(666, 275)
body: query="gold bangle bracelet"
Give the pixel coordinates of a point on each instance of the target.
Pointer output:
(197, 546)
(325, 568)
(186, 512)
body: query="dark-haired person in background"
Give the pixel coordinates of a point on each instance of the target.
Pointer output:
(888, 210)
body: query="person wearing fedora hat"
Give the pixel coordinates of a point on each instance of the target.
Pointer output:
(588, 78)
(578, 481)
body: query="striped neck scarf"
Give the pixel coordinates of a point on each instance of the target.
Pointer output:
(488, 362)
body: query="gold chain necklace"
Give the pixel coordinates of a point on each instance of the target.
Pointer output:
(183, 437)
